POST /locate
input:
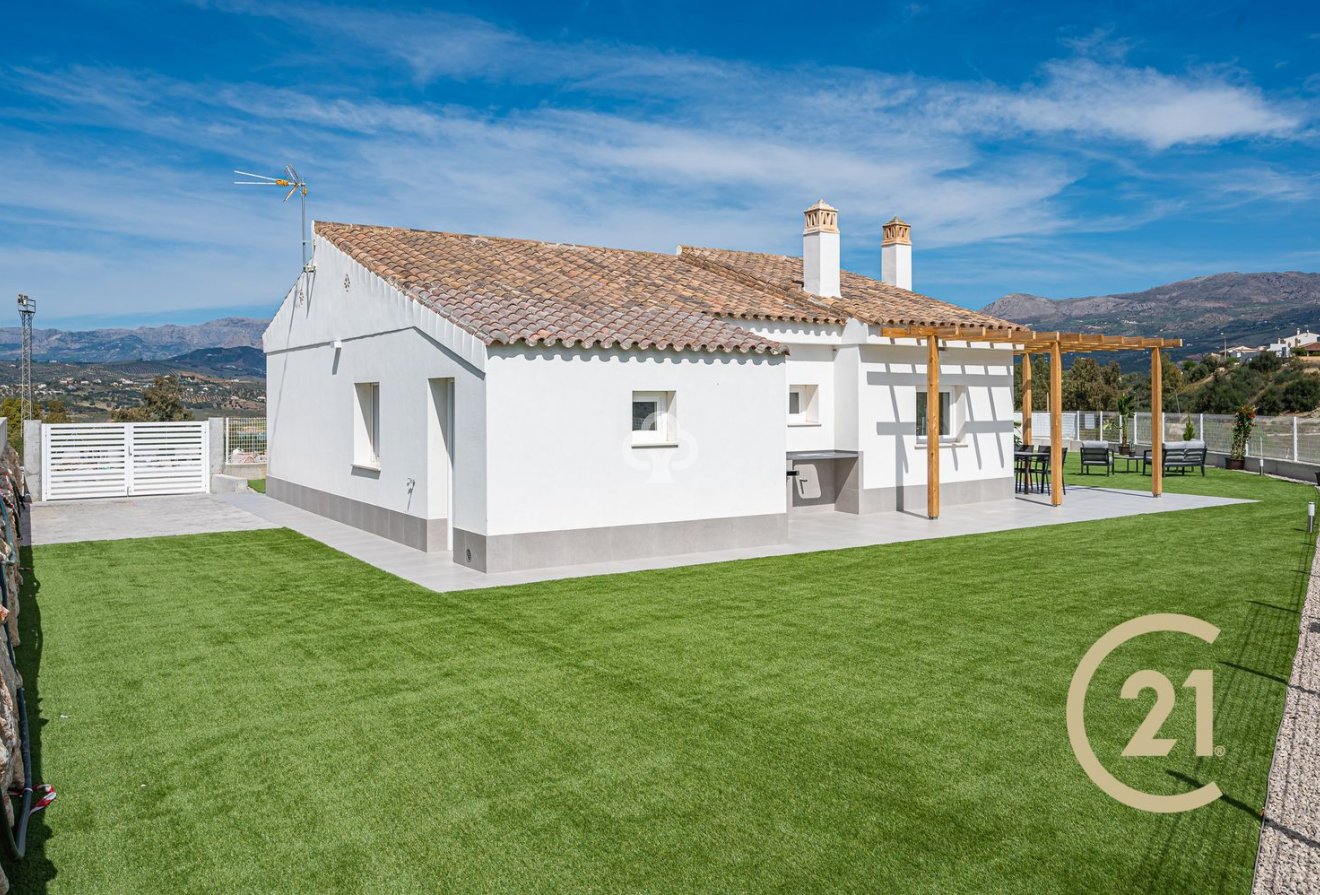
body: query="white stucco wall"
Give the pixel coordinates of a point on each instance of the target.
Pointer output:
(868, 398)
(813, 365)
(560, 445)
(389, 339)
(891, 376)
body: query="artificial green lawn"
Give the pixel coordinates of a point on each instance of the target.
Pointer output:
(257, 485)
(254, 712)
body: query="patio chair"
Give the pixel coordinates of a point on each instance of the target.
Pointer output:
(1179, 456)
(1022, 474)
(1041, 466)
(1097, 453)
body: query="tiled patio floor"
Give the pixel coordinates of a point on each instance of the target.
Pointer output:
(807, 532)
(62, 521)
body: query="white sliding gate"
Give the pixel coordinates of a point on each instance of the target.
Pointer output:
(124, 459)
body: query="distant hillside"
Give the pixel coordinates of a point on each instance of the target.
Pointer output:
(145, 343)
(241, 362)
(1246, 308)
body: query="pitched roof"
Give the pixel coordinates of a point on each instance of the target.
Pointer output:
(507, 291)
(868, 300)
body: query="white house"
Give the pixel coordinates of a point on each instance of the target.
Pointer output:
(1242, 352)
(526, 404)
(1285, 346)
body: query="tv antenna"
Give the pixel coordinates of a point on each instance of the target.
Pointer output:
(27, 309)
(295, 184)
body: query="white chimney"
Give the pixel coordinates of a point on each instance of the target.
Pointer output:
(896, 254)
(820, 251)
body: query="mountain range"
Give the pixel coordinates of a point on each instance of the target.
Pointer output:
(149, 343)
(1205, 312)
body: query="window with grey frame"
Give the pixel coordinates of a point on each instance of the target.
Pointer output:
(945, 428)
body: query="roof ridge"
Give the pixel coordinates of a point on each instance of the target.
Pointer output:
(503, 296)
(485, 237)
(846, 304)
(755, 282)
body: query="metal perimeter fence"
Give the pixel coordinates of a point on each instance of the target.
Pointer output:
(1273, 437)
(245, 439)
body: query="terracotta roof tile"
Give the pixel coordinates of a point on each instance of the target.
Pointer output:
(507, 291)
(868, 300)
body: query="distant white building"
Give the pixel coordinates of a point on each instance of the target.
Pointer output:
(1284, 347)
(1240, 352)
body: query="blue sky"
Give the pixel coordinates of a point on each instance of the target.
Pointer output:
(1057, 149)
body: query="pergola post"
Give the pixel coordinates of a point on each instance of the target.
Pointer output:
(933, 427)
(1156, 422)
(1056, 424)
(1026, 397)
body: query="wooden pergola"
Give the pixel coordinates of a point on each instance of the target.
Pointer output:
(1027, 342)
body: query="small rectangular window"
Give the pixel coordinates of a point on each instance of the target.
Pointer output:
(366, 424)
(652, 417)
(802, 405)
(945, 428)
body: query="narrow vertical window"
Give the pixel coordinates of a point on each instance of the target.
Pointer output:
(802, 405)
(366, 424)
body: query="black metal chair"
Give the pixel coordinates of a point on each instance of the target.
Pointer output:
(1041, 466)
(1022, 474)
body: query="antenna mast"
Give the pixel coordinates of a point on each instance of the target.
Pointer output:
(295, 184)
(27, 309)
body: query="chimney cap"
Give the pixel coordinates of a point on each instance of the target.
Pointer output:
(896, 232)
(821, 218)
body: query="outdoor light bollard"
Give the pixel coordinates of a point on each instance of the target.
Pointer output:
(1310, 517)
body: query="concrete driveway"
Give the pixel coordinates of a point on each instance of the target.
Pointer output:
(108, 519)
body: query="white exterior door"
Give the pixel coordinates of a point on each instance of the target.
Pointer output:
(80, 460)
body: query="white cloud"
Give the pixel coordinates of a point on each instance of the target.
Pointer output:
(686, 149)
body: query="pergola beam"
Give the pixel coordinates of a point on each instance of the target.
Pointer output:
(957, 333)
(933, 427)
(1028, 340)
(1026, 399)
(1056, 424)
(1156, 422)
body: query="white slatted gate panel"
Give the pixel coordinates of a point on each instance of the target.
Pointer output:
(80, 460)
(84, 461)
(168, 458)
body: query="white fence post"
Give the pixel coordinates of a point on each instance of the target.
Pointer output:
(1200, 425)
(1294, 450)
(128, 458)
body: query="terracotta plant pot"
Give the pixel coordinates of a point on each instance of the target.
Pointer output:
(1235, 463)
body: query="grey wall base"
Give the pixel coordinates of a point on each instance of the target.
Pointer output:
(1288, 469)
(429, 535)
(912, 498)
(535, 550)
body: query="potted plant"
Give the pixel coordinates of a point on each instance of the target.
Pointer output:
(1125, 404)
(1189, 429)
(1244, 420)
